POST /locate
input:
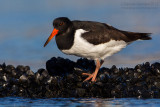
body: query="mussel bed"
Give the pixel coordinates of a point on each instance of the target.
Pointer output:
(63, 78)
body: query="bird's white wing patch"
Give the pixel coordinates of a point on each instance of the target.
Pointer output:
(83, 48)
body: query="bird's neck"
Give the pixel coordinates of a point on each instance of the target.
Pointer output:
(65, 41)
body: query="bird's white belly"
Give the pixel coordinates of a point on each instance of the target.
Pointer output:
(83, 48)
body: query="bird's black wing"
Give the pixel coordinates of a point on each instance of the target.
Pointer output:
(98, 33)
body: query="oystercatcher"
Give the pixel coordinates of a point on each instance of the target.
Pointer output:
(92, 40)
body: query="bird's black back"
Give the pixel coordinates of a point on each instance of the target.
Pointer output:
(101, 33)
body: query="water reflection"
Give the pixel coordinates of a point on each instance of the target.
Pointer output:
(78, 102)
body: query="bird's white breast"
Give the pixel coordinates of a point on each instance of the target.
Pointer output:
(83, 48)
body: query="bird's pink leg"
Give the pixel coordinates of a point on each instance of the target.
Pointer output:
(86, 74)
(94, 74)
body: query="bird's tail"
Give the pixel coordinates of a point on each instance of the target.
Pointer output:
(142, 36)
(132, 36)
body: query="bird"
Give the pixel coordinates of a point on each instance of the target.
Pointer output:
(92, 40)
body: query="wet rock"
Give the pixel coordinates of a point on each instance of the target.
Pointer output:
(14, 73)
(49, 80)
(59, 66)
(20, 68)
(3, 66)
(38, 78)
(99, 84)
(1, 69)
(30, 73)
(23, 79)
(9, 68)
(4, 78)
(104, 77)
(63, 78)
(86, 64)
(156, 65)
(114, 69)
(43, 73)
(86, 85)
(157, 71)
(14, 90)
(26, 68)
(139, 66)
(80, 92)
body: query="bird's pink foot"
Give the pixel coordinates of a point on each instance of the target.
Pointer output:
(89, 77)
(94, 74)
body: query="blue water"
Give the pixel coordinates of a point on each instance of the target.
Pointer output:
(78, 102)
(25, 26)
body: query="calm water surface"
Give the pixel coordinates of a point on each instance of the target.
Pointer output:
(77, 102)
(25, 26)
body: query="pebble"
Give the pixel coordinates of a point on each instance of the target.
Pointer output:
(63, 78)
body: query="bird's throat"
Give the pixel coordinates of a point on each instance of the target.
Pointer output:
(65, 41)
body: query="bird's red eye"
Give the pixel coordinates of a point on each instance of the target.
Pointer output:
(61, 24)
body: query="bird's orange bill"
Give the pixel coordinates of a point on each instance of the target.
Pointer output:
(54, 32)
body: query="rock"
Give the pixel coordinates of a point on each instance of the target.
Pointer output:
(49, 80)
(4, 78)
(20, 68)
(104, 78)
(26, 68)
(80, 92)
(9, 68)
(1, 69)
(38, 78)
(3, 66)
(43, 73)
(63, 78)
(30, 73)
(59, 66)
(88, 65)
(23, 79)
(14, 73)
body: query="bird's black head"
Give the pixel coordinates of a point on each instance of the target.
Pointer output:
(60, 25)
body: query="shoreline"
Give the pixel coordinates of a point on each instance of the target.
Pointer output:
(63, 79)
